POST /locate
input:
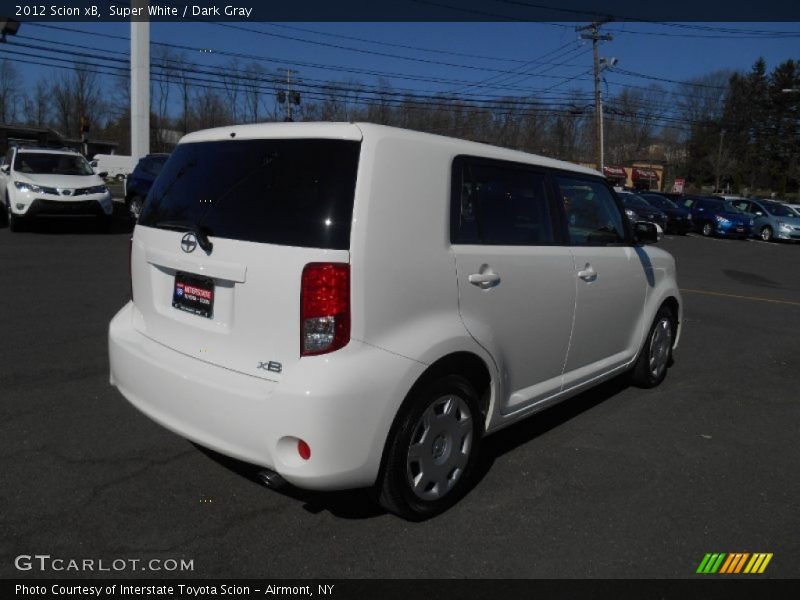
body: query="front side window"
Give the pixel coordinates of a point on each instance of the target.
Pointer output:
(593, 217)
(744, 206)
(498, 203)
(42, 163)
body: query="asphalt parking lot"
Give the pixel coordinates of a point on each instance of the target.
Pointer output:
(615, 483)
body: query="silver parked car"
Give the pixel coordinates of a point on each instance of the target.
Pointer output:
(771, 220)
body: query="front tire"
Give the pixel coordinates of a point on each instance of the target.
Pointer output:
(103, 223)
(135, 205)
(433, 450)
(16, 223)
(766, 233)
(708, 230)
(656, 355)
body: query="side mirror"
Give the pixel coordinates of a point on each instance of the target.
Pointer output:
(104, 174)
(646, 233)
(6, 169)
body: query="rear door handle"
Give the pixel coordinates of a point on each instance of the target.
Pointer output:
(485, 280)
(588, 273)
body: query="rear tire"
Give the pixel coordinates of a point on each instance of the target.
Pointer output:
(432, 451)
(656, 354)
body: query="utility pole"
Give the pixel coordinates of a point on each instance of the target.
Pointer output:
(289, 97)
(594, 34)
(140, 84)
(719, 160)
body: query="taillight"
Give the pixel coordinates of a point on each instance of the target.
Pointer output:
(324, 308)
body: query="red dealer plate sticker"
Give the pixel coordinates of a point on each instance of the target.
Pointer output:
(194, 294)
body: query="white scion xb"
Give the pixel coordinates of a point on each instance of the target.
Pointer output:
(351, 305)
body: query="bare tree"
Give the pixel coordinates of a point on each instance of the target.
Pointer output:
(9, 86)
(36, 105)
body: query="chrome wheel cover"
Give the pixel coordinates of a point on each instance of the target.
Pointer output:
(660, 345)
(441, 442)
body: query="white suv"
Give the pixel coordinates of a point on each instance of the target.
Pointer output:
(43, 182)
(351, 305)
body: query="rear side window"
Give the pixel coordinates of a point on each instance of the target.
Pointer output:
(290, 192)
(498, 203)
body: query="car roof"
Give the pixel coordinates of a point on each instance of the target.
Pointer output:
(48, 151)
(359, 131)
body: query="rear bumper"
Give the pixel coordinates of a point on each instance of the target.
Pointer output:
(342, 408)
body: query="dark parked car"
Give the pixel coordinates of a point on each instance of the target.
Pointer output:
(679, 220)
(715, 216)
(639, 209)
(141, 180)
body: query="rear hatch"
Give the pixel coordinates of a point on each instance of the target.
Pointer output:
(263, 209)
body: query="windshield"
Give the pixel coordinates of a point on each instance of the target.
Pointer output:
(296, 192)
(660, 201)
(634, 200)
(779, 210)
(41, 163)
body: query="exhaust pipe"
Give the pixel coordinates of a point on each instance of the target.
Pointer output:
(270, 479)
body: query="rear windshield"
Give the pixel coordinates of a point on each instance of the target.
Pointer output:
(287, 192)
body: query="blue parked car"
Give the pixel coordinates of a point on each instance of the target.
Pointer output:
(771, 220)
(716, 216)
(140, 181)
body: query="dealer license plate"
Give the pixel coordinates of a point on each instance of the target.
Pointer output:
(194, 294)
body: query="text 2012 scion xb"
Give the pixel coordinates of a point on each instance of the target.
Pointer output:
(351, 305)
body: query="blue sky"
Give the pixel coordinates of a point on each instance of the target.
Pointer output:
(471, 50)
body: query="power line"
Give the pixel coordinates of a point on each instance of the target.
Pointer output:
(410, 104)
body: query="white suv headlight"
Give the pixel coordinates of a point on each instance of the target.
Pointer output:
(27, 187)
(23, 186)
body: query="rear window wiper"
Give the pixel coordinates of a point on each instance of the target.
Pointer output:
(201, 233)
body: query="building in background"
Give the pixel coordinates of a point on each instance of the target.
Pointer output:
(24, 135)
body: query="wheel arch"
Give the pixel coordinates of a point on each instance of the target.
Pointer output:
(467, 364)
